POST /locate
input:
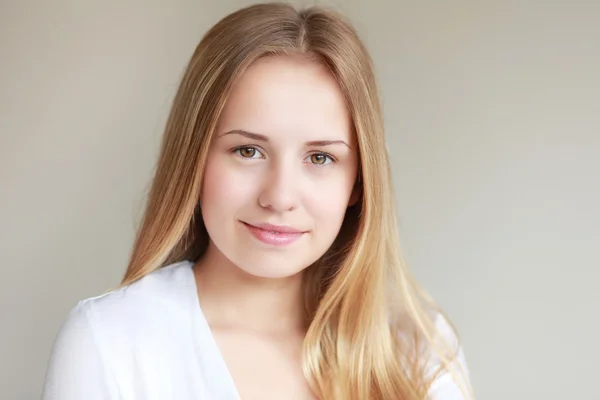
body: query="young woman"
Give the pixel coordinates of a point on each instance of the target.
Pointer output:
(267, 264)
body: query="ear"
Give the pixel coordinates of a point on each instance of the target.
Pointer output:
(356, 193)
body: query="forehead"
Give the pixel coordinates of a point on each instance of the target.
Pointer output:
(289, 98)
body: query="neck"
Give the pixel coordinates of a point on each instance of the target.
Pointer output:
(233, 298)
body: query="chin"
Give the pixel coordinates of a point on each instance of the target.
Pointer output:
(272, 271)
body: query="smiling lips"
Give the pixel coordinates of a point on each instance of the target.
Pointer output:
(276, 235)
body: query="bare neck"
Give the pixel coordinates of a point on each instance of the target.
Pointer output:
(232, 298)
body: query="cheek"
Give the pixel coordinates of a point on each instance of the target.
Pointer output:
(328, 203)
(224, 189)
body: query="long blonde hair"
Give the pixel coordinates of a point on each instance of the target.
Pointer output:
(367, 321)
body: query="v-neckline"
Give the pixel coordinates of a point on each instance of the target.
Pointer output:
(219, 379)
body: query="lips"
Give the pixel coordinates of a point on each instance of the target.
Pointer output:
(277, 235)
(276, 228)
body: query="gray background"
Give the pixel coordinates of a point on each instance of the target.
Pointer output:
(493, 119)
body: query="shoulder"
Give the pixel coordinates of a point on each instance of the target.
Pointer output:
(446, 384)
(160, 299)
(104, 339)
(166, 285)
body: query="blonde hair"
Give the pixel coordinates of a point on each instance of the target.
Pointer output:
(367, 321)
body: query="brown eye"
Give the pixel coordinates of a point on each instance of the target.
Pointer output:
(320, 159)
(247, 152)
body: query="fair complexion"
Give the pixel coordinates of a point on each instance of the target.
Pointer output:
(279, 177)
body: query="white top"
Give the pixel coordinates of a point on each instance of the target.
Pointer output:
(149, 340)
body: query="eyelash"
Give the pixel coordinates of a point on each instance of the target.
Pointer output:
(329, 156)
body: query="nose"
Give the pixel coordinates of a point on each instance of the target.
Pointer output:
(280, 189)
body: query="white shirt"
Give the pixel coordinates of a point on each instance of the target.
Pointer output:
(149, 340)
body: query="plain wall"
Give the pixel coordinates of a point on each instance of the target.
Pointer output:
(493, 120)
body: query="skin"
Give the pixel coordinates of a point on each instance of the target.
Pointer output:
(289, 175)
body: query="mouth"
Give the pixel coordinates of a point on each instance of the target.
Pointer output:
(276, 235)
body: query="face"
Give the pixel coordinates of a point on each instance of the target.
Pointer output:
(281, 170)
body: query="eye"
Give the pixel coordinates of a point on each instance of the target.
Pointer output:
(320, 159)
(248, 152)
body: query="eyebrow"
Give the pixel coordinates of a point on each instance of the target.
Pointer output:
(263, 138)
